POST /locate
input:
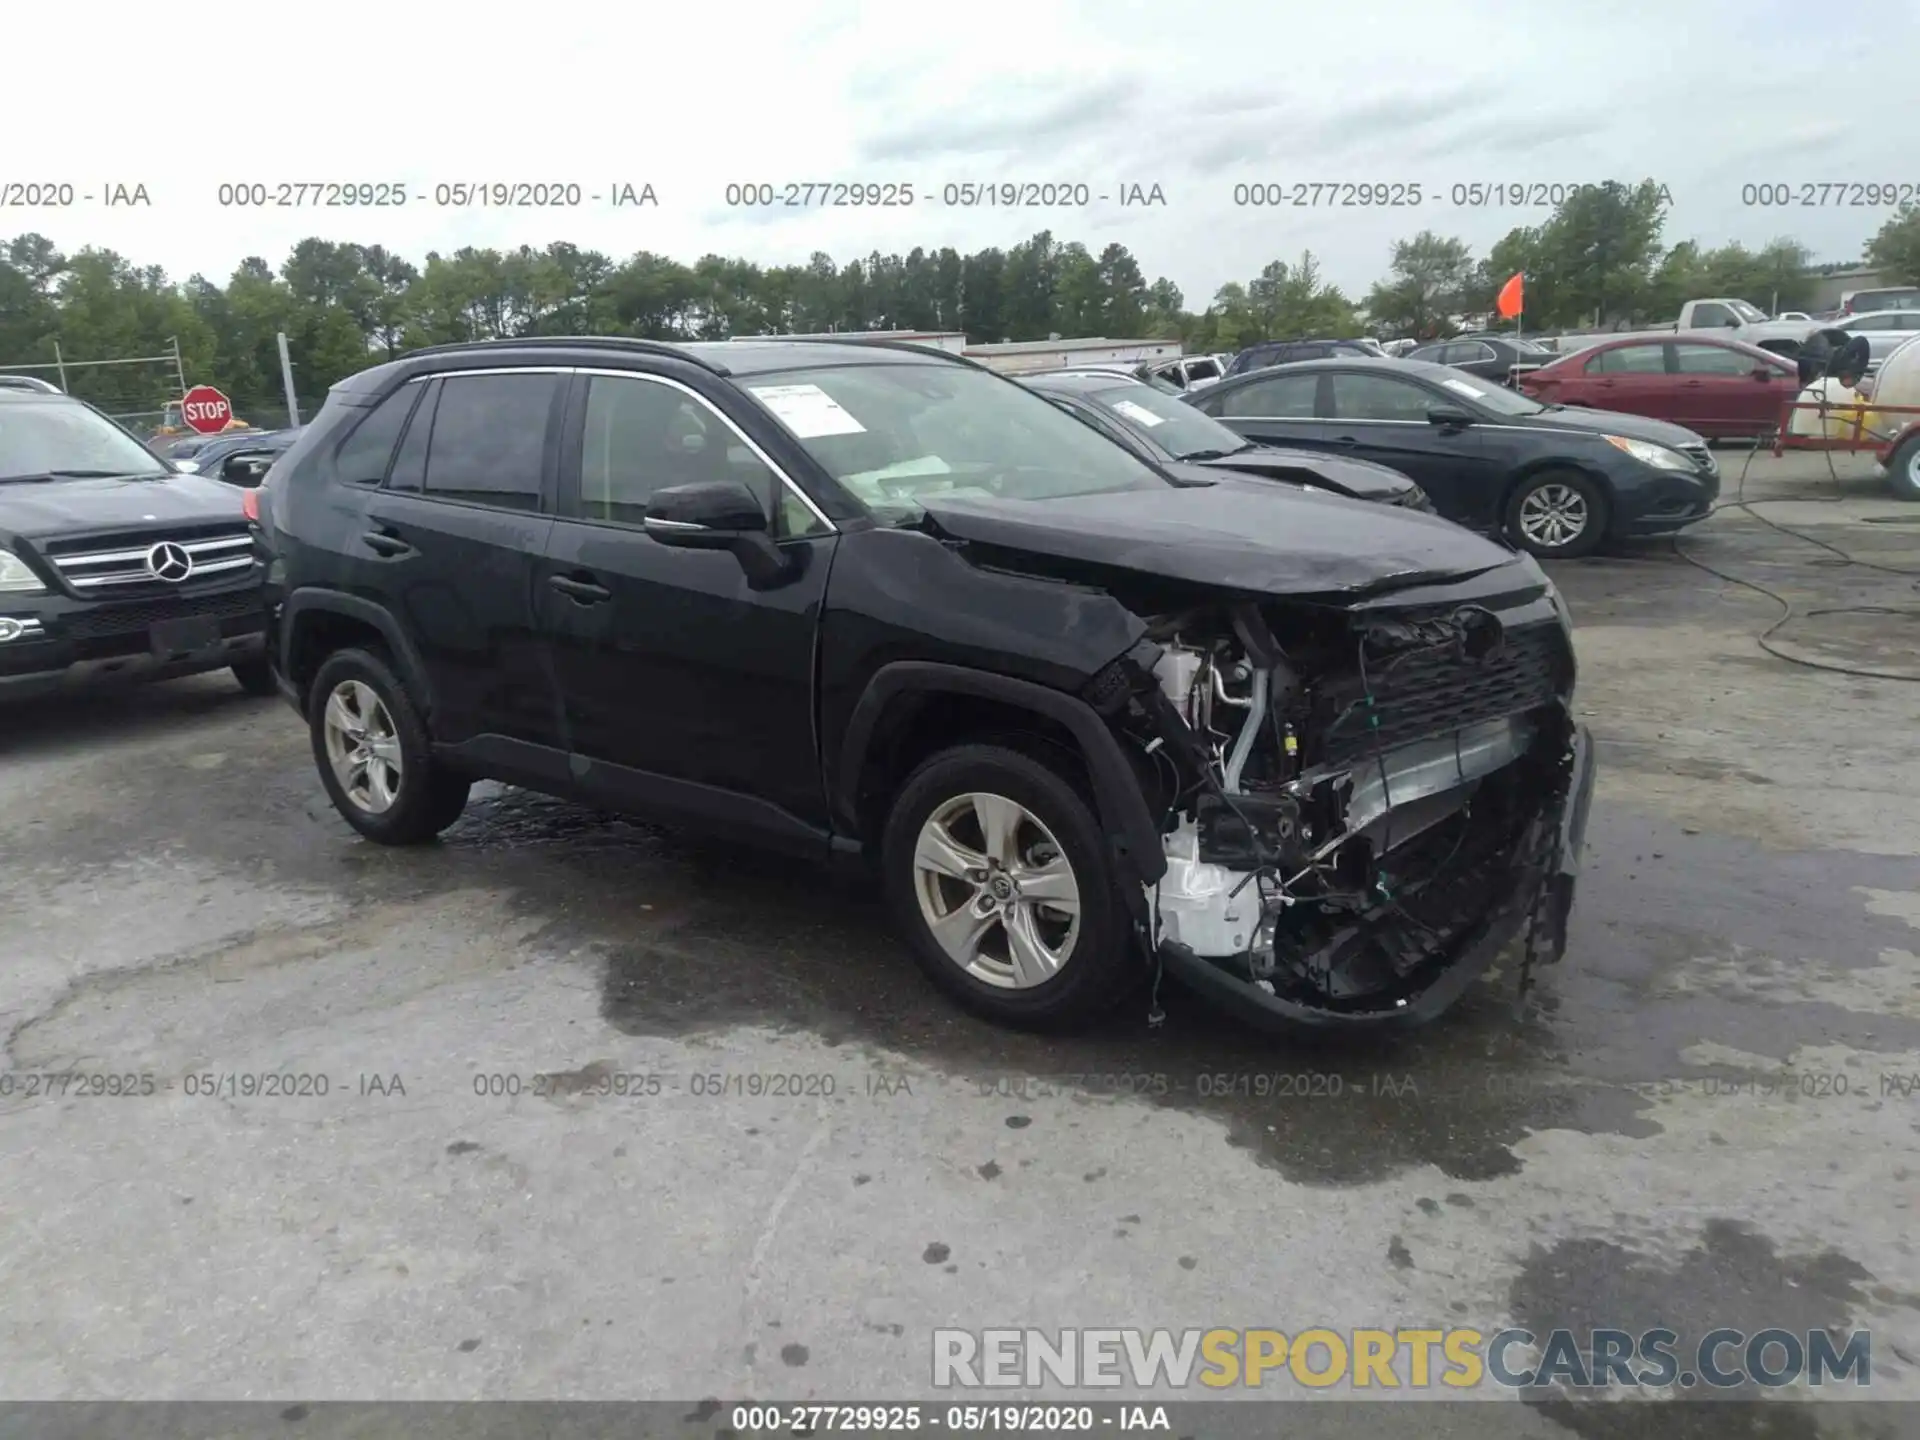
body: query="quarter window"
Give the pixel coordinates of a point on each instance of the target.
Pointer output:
(363, 456)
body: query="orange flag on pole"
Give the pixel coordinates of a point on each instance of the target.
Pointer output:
(1512, 298)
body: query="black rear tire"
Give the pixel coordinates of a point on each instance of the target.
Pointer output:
(1536, 490)
(429, 797)
(1903, 468)
(256, 677)
(1101, 964)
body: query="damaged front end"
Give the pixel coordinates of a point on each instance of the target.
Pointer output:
(1361, 802)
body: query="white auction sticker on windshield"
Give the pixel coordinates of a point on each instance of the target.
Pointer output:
(1463, 387)
(1139, 414)
(807, 410)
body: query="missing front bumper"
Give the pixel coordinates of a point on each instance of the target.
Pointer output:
(1534, 909)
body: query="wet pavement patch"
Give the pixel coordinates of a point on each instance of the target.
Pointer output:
(1732, 1277)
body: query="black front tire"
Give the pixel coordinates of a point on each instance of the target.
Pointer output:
(1102, 964)
(1903, 468)
(1536, 490)
(429, 797)
(255, 676)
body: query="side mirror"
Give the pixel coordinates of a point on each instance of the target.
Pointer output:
(1733, 322)
(1448, 417)
(1764, 373)
(719, 515)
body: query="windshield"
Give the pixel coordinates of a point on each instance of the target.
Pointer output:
(67, 438)
(1746, 312)
(896, 434)
(1497, 398)
(1175, 426)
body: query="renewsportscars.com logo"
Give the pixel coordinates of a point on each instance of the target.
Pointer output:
(1415, 1359)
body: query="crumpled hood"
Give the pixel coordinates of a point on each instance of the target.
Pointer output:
(1247, 535)
(1361, 479)
(39, 508)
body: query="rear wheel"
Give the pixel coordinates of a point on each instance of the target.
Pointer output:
(374, 755)
(1903, 468)
(997, 873)
(1557, 515)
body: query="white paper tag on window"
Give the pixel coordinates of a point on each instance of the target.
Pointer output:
(1463, 387)
(1139, 414)
(807, 410)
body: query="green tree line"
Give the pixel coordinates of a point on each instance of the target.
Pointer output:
(1599, 259)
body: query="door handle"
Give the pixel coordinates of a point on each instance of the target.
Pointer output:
(1345, 440)
(381, 543)
(584, 592)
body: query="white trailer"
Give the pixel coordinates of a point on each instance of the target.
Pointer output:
(1026, 357)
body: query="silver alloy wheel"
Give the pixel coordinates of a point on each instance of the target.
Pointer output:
(996, 891)
(1554, 515)
(1913, 467)
(362, 746)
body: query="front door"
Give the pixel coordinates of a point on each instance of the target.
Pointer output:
(454, 534)
(1383, 418)
(1715, 392)
(686, 692)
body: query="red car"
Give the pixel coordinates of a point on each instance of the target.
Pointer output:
(1716, 388)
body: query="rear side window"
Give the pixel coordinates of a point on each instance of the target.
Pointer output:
(410, 462)
(364, 455)
(489, 440)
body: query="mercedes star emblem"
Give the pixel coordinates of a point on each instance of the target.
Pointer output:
(167, 561)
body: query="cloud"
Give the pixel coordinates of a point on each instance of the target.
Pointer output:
(992, 124)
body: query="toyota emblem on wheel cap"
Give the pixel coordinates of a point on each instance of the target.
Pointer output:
(167, 561)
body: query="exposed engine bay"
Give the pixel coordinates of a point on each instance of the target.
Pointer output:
(1347, 798)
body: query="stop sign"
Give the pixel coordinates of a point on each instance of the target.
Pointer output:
(205, 409)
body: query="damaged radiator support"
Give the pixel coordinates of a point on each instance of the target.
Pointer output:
(1220, 910)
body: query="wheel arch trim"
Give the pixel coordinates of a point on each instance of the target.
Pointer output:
(1121, 807)
(406, 658)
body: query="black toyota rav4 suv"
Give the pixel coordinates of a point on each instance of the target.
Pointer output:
(113, 566)
(868, 602)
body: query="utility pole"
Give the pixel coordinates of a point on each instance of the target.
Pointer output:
(286, 379)
(60, 364)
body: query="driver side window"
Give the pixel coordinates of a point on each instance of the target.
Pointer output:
(1705, 316)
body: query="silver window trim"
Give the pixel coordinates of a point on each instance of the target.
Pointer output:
(787, 481)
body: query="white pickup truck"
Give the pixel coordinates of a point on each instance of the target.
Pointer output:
(1737, 320)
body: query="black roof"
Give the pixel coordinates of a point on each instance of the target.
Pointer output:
(741, 357)
(1381, 364)
(1082, 383)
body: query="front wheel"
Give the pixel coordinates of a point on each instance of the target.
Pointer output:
(997, 872)
(1557, 515)
(1903, 468)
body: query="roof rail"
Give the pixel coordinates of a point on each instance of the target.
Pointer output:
(575, 342)
(30, 382)
(854, 337)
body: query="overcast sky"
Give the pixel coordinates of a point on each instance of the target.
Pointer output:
(1704, 96)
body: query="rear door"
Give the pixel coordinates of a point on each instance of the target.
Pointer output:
(685, 690)
(1716, 392)
(450, 542)
(1632, 378)
(1276, 409)
(1383, 418)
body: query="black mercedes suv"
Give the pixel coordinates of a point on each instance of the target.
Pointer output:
(872, 603)
(113, 566)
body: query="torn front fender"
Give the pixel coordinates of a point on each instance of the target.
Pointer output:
(1534, 910)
